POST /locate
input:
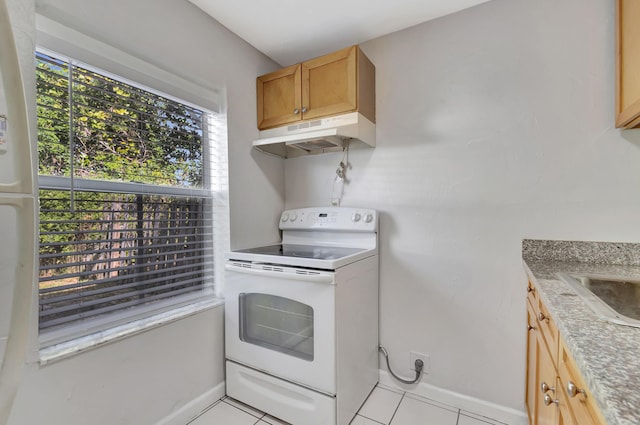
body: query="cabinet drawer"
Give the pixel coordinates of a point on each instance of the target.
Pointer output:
(579, 398)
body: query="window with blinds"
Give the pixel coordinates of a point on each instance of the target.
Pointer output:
(125, 205)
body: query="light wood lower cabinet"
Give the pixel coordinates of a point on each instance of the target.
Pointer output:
(541, 368)
(555, 393)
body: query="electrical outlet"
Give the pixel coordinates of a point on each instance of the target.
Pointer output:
(413, 356)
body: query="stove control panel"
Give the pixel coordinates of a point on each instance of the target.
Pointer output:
(330, 218)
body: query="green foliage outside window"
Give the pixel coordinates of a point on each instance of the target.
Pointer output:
(120, 132)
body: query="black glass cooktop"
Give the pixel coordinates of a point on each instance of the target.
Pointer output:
(303, 251)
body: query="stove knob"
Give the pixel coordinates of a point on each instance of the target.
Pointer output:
(368, 217)
(293, 216)
(285, 217)
(355, 217)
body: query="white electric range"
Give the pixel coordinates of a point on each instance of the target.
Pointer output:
(301, 317)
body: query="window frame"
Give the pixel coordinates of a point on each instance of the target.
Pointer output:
(60, 341)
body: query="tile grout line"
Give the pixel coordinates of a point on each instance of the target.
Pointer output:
(458, 410)
(394, 412)
(397, 407)
(205, 410)
(362, 405)
(484, 419)
(366, 417)
(244, 411)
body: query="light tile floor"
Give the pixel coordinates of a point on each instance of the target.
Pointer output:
(385, 406)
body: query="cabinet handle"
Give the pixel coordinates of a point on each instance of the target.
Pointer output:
(541, 316)
(304, 109)
(548, 400)
(296, 111)
(544, 387)
(530, 289)
(573, 390)
(531, 328)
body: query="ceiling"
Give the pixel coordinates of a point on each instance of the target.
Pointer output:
(291, 31)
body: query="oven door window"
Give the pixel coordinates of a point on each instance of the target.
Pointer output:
(277, 323)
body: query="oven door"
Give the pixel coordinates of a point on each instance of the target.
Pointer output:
(281, 320)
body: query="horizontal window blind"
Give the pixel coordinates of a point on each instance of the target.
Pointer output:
(143, 231)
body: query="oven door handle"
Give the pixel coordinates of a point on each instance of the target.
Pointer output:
(315, 278)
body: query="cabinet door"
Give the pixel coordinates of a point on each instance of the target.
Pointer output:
(329, 84)
(546, 412)
(548, 330)
(579, 398)
(279, 97)
(531, 364)
(565, 416)
(628, 64)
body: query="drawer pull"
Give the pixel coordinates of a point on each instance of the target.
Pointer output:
(548, 400)
(531, 328)
(530, 289)
(541, 316)
(573, 390)
(544, 387)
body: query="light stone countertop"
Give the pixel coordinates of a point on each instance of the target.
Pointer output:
(607, 354)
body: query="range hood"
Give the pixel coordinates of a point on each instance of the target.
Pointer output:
(330, 134)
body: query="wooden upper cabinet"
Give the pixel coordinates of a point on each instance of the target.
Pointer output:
(337, 83)
(628, 64)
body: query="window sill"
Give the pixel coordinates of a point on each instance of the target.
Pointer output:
(62, 350)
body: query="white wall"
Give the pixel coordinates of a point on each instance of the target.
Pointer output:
(136, 381)
(150, 378)
(493, 124)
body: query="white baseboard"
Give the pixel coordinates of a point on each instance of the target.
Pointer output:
(471, 404)
(193, 408)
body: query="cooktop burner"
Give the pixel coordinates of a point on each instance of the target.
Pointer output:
(303, 251)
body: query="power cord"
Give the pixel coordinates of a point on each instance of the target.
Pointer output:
(341, 177)
(419, 365)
